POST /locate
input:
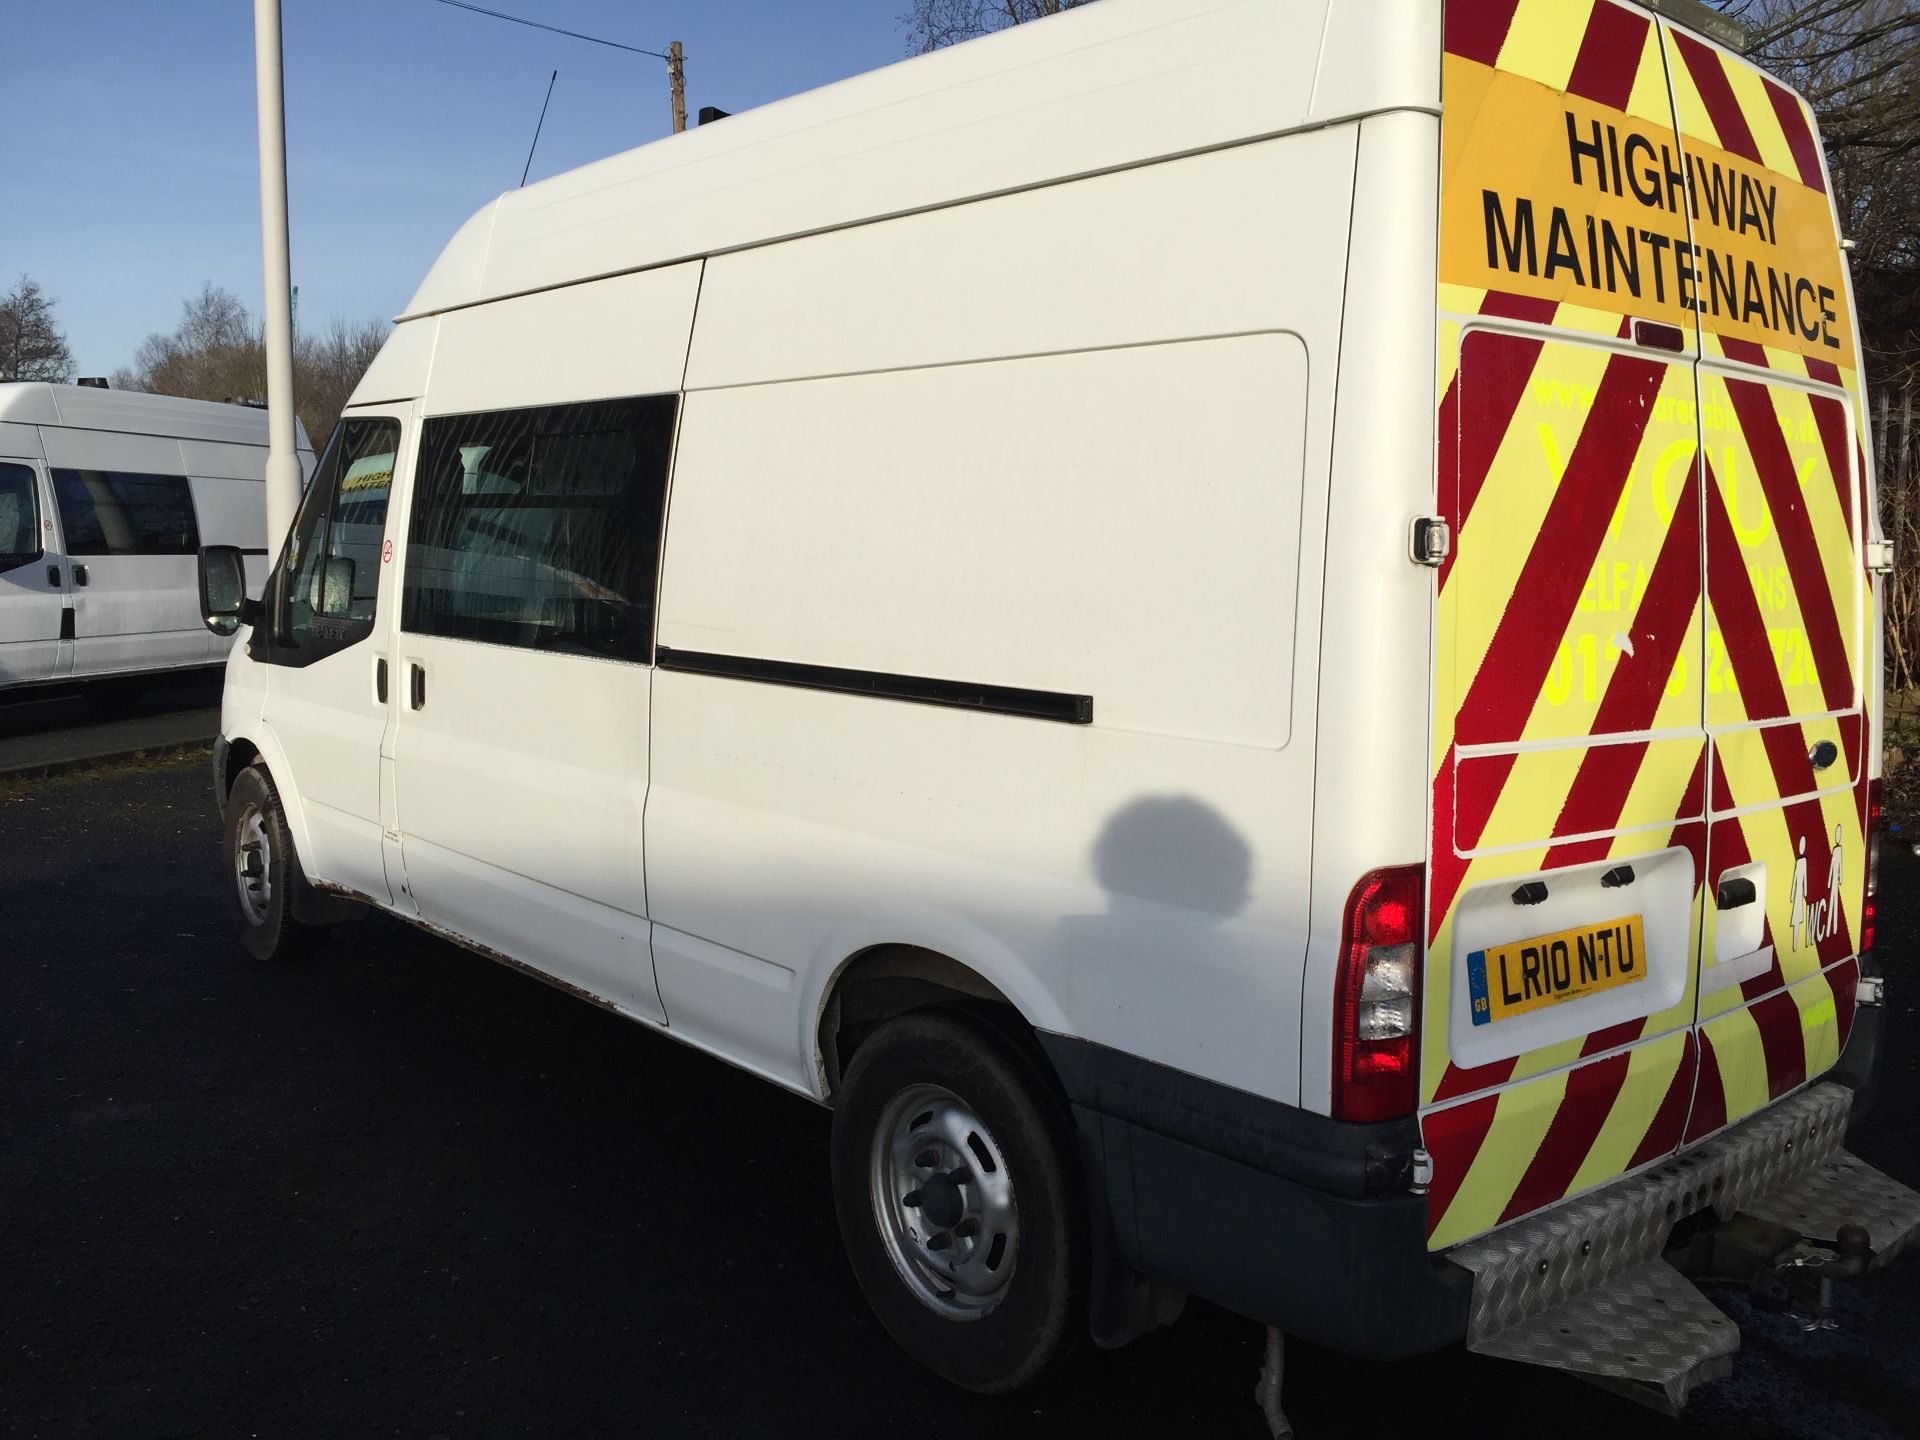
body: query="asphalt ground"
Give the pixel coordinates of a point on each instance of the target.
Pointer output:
(398, 1191)
(62, 728)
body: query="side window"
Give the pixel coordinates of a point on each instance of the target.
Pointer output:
(19, 518)
(541, 528)
(114, 512)
(323, 592)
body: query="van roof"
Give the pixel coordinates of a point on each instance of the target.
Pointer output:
(1096, 88)
(84, 407)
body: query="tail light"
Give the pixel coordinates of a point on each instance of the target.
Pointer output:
(1869, 913)
(1377, 998)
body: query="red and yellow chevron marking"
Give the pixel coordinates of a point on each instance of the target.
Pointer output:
(1600, 693)
(1781, 458)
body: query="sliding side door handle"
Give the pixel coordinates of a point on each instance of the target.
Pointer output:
(418, 698)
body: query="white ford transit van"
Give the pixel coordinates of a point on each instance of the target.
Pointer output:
(105, 498)
(1243, 629)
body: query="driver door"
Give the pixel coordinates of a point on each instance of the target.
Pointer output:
(329, 605)
(31, 594)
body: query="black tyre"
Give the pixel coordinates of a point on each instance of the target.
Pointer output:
(262, 872)
(960, 1200)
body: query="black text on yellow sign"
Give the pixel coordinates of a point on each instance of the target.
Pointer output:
(1644, 264)
(1512, 979)
(1547, 194)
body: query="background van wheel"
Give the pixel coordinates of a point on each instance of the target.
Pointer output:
(956, 1181)
(261, 871)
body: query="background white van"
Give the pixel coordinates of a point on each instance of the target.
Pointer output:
(106, 496)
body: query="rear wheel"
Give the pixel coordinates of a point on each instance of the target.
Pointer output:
(959, 1198)
(262, 871)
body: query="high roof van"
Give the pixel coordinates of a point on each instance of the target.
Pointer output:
(105, 498)
(1244, 630)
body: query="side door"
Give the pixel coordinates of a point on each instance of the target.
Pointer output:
(1569, 757)
(1788, 640)
(32, 592)
(323, 634)
(132, 534)
(524, 670)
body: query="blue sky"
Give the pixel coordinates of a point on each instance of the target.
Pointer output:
(128, 166)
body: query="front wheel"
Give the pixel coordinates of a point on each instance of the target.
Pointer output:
(959, 1199)
(262, 871)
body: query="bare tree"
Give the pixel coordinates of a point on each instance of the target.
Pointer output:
(327, 366)
(931, 24)
(217, 352)
(1858, 64)
(31, 345)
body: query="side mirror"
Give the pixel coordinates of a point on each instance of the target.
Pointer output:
(223, 589)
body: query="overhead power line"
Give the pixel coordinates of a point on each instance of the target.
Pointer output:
(555, 29)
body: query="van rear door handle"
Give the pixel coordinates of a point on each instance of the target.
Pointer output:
(1732, 894)
(419, 682)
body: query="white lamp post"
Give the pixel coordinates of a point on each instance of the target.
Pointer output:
(283, 462)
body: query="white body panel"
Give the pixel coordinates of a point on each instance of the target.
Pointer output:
(126, 612)
(1013, 366)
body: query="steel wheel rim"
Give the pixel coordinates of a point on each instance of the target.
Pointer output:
(253, 866)
(950, 1225)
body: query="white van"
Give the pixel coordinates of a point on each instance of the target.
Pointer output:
(106, 496)
(1243, 629)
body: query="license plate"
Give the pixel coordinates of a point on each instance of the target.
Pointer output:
(1524, 975)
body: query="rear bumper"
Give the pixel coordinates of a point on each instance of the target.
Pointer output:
(1289, 1218)
(1863, 1061)
(1597, 1287)
(1785, 1164)
(1310, 1225)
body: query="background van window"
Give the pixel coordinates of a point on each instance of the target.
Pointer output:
(115, 512)
(19, 517)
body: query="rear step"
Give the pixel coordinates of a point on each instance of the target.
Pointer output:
(1584, 1288)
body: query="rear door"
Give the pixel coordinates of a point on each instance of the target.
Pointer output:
(1782, 472)
(1569, 750)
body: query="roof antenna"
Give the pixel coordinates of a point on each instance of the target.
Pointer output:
(536, 129)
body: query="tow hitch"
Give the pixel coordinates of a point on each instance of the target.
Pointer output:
(1783, 1271)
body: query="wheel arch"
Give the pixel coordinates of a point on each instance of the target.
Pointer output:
(884, 980)
(237, 756)
(259, 748)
